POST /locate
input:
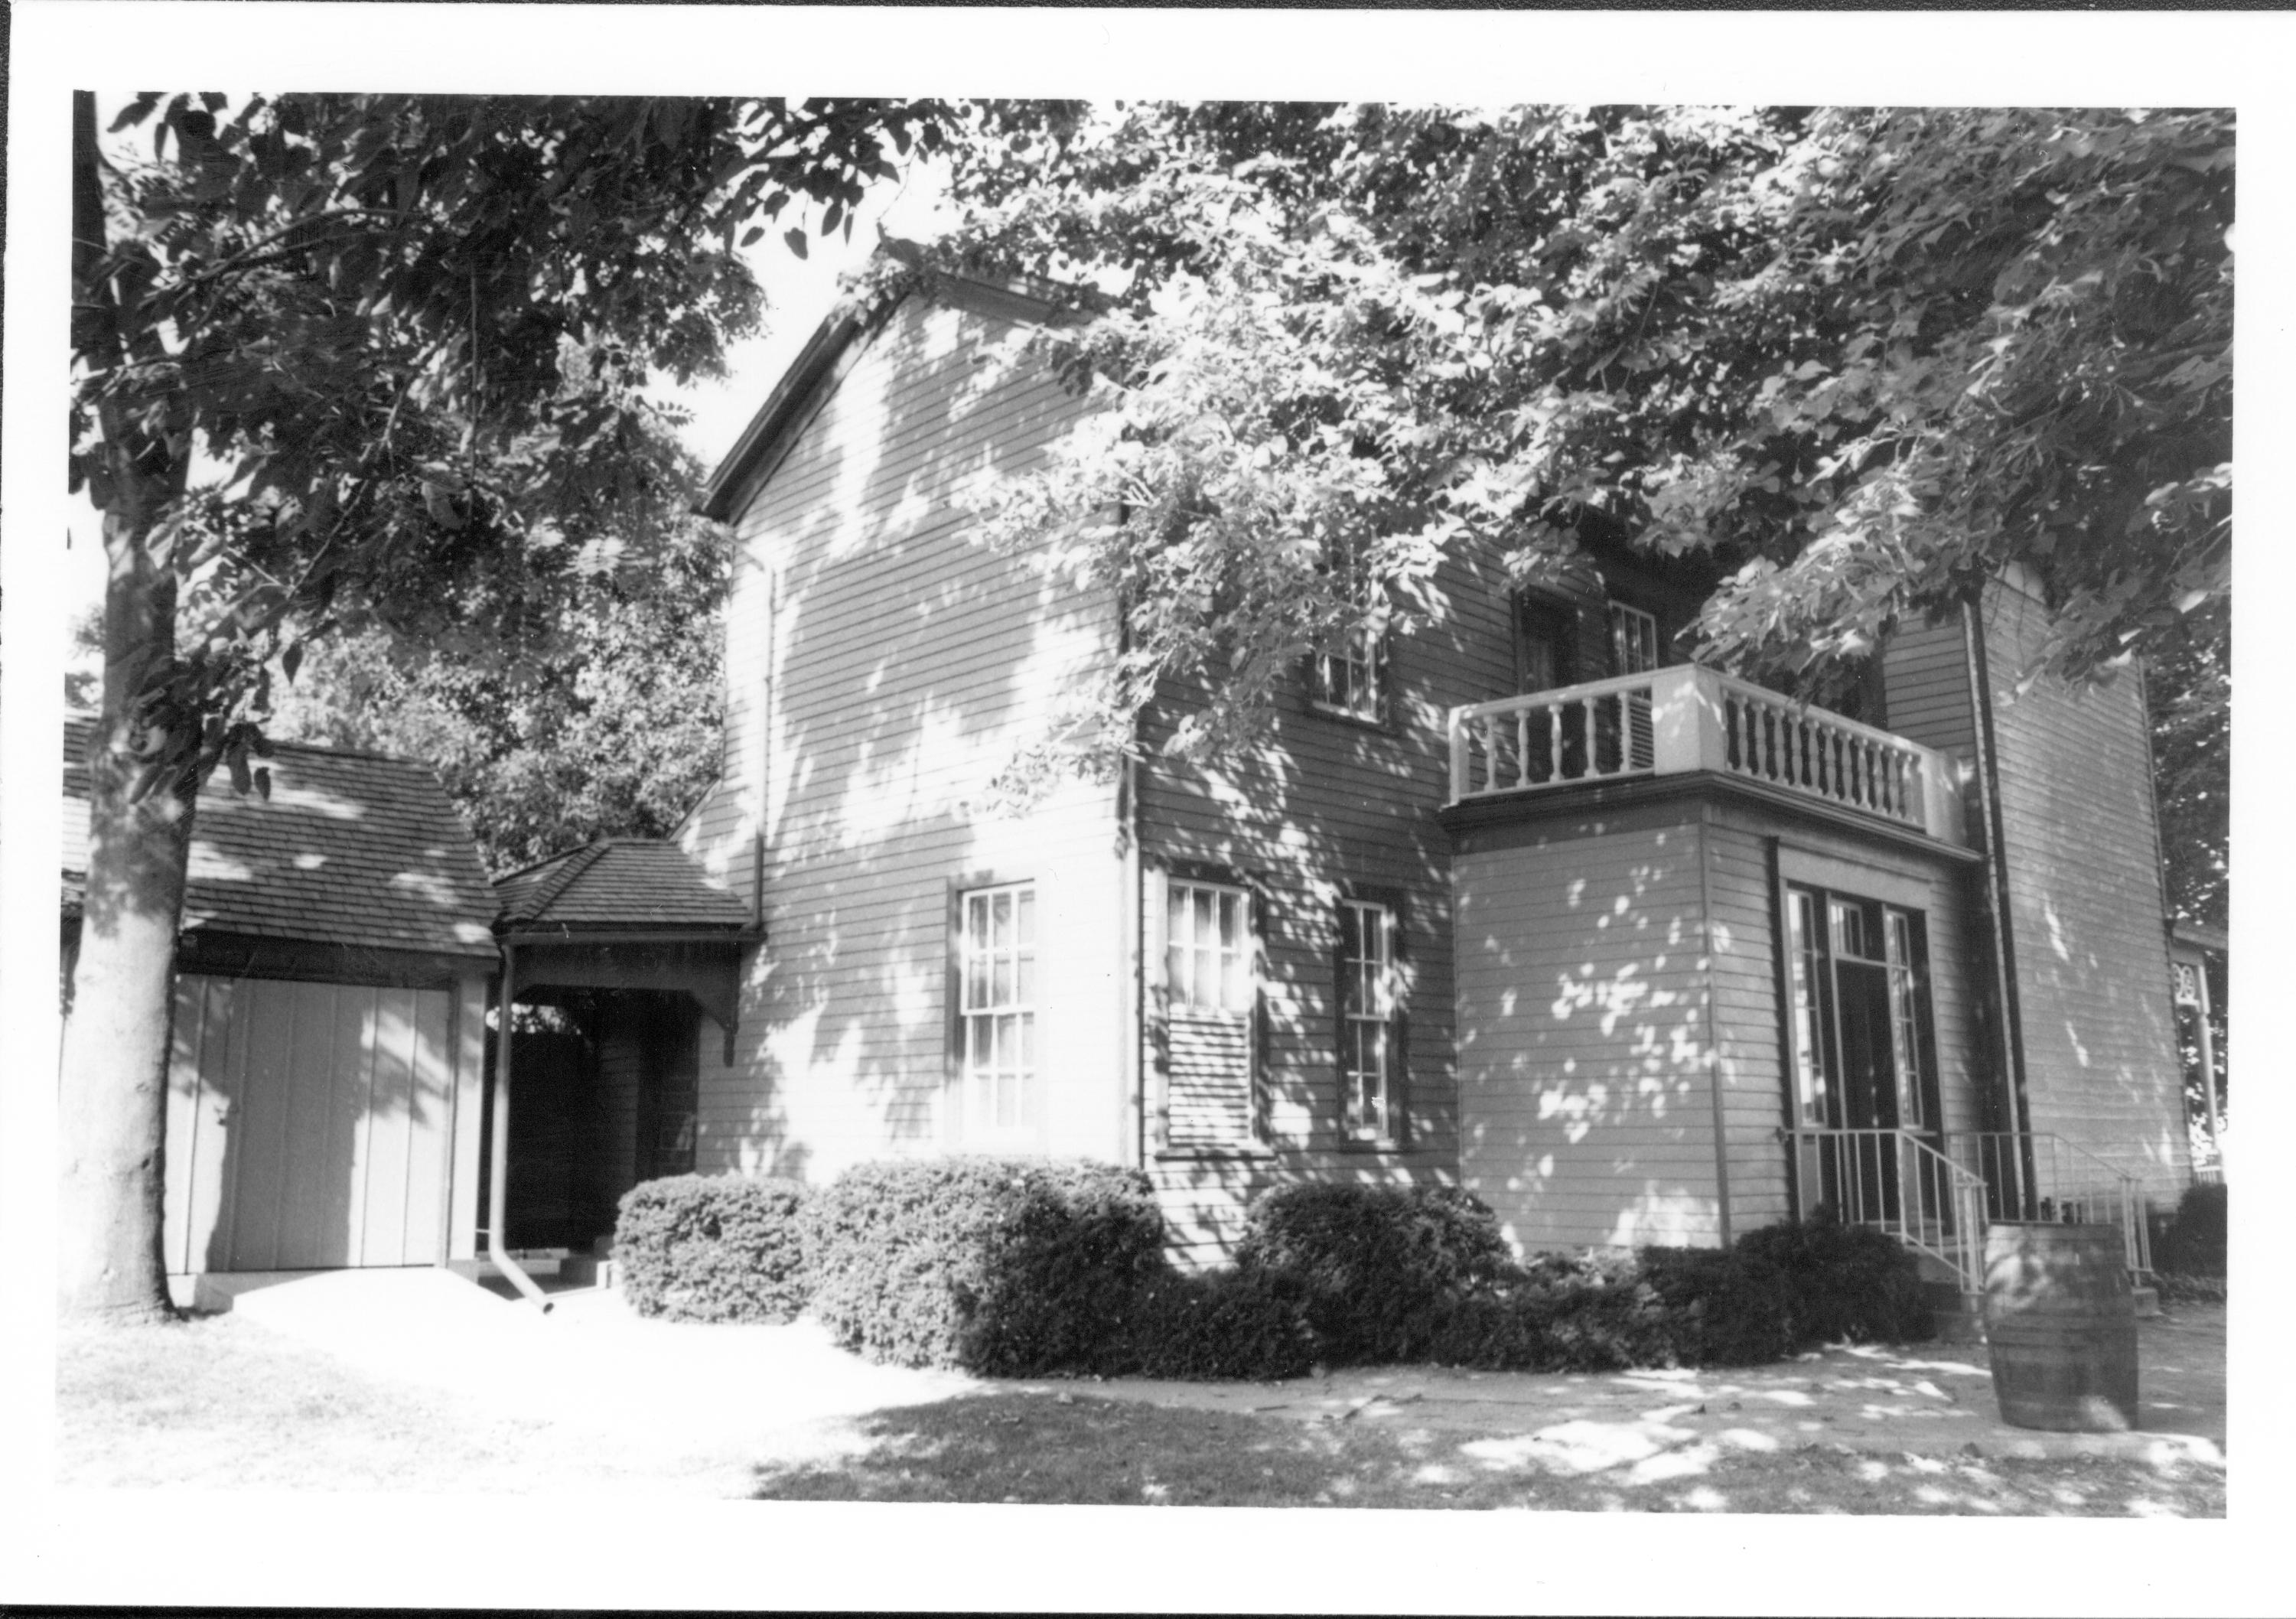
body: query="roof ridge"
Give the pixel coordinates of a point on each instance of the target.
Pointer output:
(582, 860)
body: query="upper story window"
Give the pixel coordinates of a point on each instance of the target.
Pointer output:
(1350, 675)
(997, 1013)
(1545, 636)
(1633, 640)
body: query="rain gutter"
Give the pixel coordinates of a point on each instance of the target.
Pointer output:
(499, 1171)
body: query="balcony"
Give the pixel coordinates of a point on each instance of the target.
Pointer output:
(1674, 721)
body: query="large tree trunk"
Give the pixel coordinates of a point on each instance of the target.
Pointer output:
(112, 1106)
(112, 1102)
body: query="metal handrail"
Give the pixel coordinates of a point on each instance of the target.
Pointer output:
(2039, 1175)
(1897, 1182)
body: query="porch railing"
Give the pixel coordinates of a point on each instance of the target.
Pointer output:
(2039, 1175)
(1897, 1182)
(1668, 722)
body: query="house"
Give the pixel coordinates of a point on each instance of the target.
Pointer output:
(1635, 951)
(324, 1106)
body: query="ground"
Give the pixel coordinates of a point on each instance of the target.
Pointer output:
(410, 1385)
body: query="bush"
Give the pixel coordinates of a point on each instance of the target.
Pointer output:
(1007, 1268)
(1727, 1306)
(1594, 1312)
(1374, 1264)
(712, 1248)
(2191, 1242)
(1844, 1282)
(1215, 1326)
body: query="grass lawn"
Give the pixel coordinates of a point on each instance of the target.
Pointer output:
(1050, 1449)
(221, 1402)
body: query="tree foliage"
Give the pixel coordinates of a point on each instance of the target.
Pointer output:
(373, 361)
(612, 727)
(1863, 360)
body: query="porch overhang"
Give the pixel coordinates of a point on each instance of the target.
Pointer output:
(703, 963)
(1484, 821)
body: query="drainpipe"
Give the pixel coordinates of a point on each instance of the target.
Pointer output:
(1996, 901)
(499, 1171)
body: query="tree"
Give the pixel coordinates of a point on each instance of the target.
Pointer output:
(1863, 361)
(362, 362)
(614, 731)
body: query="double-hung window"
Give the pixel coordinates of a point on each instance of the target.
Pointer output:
(1210, 988)
(1002, 1096)
(1351, 673)
(1370, 1061)
(1633, 640)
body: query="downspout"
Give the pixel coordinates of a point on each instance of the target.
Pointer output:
(1129, 924)
(1713, 1025)
(1996, 901)
(498, 1160)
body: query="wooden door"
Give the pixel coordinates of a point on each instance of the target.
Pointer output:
(309, 1125)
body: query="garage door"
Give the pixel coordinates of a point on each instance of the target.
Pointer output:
(308, 1125)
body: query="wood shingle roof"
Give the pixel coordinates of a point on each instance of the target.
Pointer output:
(617, 883)
(351, 847)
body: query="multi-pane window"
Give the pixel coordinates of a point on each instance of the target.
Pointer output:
(1856, 1012)
(1805, 967)
(1633, 640)
(1210, 990)
(1348, 673)
(1905, 1015)
(1367, 1006)
(1207, 947)
(997, 966)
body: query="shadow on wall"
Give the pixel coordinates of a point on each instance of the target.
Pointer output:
(909, 664)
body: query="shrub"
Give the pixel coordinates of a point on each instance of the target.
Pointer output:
(1214, 1326)
(712, 1248)
(1010, 1268)
(1594, 1312)
(2193, 1240)
(1727, 1307)
(1844, 1282)
(1372, 1264)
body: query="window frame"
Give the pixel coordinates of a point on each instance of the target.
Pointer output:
(1627, 626)
(964, 1125)
(1366, 649)
(1392, 1132)
(1810, 942)
(1561, 617)
(1158, 1006)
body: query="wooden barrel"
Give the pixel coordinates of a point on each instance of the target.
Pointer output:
(2061, 1326)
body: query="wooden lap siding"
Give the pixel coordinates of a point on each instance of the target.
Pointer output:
(883, 666)
(2101, 1062)
(1583, 995)
(1326, 806)
(311, 1125)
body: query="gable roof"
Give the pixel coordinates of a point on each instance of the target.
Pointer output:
(825, 359)
(617, 883)
(351, 847)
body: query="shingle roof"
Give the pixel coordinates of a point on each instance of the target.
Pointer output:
(617, 883)
(351, 847)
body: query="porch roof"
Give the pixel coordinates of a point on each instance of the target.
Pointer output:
(618, 885)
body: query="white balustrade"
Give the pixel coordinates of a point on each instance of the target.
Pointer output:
(1670, 721)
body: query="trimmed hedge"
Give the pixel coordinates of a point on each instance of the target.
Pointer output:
(1217, 1325)
(1004, 1267)
(1374, 1265)
(1725, 1306)
(712, 1248)
(1845, 1283)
